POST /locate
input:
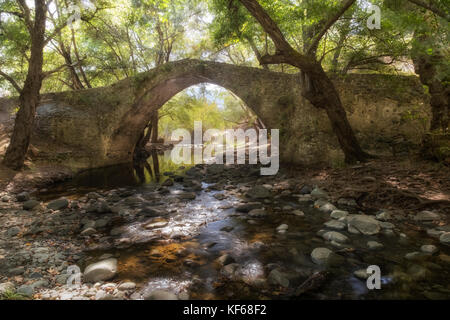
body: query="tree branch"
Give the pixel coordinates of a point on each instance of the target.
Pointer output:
(283, 47)
(256, 52)
(26, 15)
(14, 13)
(272, 59)
(12, 81)
(48, 73)
(329, 24)
(432, 8)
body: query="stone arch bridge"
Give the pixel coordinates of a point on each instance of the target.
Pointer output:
(100, 127)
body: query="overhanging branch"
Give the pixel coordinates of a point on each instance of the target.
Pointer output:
(432, 7)
(329, 24)
(272, 59)
(11, 80)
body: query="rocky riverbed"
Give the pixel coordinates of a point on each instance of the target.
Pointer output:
(215, 232)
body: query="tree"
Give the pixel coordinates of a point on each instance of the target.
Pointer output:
(431, 62)
(34, 21)
(426, 23)
(317, 86)
(29, 94)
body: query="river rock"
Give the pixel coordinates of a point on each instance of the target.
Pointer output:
(152, 212)
(127, 286)
(327, 208)
(282, 228)
(156, 224)
(384, 216)
(429, 249)
(225, 260)
(445, 238)
(305, 190)
(30, 204)
(229, 270)
(298, 213)
(25, 290)
(277, 278)
(101, 271)
(434, 233)
(374, 245)
(425, 216)
(22, 197)
(335, 236)
(247, 207)
(256, 213)
(7, 287)
(387, 225)
(59, 204)
(88, 232)
(338, 214)
(187, 195)
(418, 272)
(16, 271)
(319, 194)
(258, 192)
(361, 274)
(168, 183)
(101, 223)
(12, 232)
(335, 225)
(364, 224)
(350, 202)
(159, 294)
(414, 255)
(220, 196)
(323, 256)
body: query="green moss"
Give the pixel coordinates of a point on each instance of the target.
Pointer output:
(140, 79)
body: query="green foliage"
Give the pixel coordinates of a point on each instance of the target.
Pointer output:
(199, 105)
(12, 295)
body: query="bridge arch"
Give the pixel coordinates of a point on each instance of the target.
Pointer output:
(259, 89)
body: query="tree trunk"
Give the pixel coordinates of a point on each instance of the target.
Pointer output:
(154, 124)
(426, 66)
(321, 92)
(29, 96)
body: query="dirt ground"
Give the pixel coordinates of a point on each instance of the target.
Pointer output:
(390, 183)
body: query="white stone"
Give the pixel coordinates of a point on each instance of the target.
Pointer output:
(101, 271)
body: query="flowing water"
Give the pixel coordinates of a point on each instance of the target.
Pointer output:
(178, 250)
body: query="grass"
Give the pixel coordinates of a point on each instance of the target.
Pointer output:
(12, 295)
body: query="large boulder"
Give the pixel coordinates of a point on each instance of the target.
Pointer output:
(363, 224)
(100, 271)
